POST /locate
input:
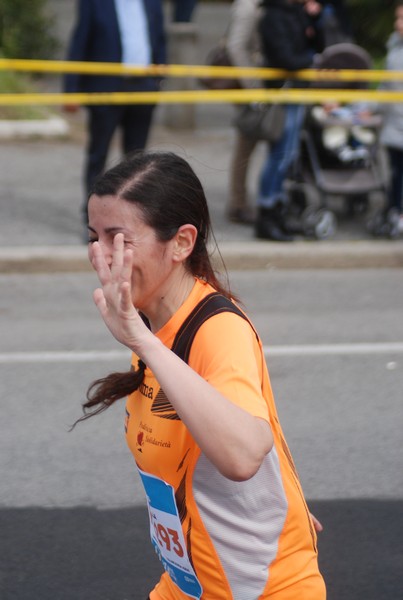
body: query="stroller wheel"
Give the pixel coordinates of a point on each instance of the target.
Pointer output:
(393, 221)
(319, 223)
(376, 224)
(384, 224)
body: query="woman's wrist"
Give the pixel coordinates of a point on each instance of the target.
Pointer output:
(148, 347)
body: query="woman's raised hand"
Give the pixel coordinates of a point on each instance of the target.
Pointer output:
(114, 300)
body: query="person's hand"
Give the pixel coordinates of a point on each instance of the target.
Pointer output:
(310, 32)
(316, 523)
(71, 108)
(114, 300)
(330, 106)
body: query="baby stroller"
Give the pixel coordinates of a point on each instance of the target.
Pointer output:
(340, 154)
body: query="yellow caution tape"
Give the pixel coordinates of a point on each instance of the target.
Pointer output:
(200, 71)
(283, 96)
(303, 96)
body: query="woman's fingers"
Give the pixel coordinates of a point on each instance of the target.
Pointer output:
(126, 303)
(120, 268)
(117, 256)
(100, 301)
(126, 274)
(114, 298)
(316, 523)
(99, 263)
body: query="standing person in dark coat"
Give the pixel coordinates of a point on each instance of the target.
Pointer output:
(288, 42)
(115, 31)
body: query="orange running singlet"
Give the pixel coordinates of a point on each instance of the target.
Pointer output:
(220, 539)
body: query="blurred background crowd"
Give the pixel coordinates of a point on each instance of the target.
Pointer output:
(289, 34)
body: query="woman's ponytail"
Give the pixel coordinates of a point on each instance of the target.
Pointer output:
(104, 392)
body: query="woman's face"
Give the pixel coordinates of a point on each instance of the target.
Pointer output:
(152, 264)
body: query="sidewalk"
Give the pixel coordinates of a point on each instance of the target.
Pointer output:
(41, 230)
(41, 193)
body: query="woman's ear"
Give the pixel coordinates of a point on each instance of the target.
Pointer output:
(184, 241)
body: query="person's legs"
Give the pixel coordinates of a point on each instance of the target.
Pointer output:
(238, 196)
(396, 179)
(282, 154)
(272, 197)
(136, 122)
(102, 123)
(183, 10)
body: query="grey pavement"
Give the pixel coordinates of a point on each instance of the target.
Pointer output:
(73, 519)
(41, 191)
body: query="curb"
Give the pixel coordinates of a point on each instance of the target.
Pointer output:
(236, 256)
(44, 128)
(313, 255)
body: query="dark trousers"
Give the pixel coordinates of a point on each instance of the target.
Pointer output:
(133, 120)
(396, 178)
(183, 10)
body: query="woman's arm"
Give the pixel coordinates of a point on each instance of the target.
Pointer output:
(235, 441)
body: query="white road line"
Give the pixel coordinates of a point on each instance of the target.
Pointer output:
(333, 349)
(74, 356)
(68, 356)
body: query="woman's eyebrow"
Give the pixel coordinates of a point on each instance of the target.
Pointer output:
(110, 230)
(115, 229)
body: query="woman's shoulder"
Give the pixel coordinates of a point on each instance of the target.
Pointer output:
(227, 332)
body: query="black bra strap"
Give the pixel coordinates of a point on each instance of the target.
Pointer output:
(212, 304)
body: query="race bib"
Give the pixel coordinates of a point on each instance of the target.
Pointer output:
(167, 535)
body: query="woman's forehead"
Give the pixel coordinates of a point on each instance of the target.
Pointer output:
(114, 211)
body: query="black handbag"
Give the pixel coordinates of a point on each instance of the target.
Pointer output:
(219, 57)
(260, 121)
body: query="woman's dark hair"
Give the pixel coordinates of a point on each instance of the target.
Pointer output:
(169, 194)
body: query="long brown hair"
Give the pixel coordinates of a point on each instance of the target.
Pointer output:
(169, 194)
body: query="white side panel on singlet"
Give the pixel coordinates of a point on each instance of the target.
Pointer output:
(244, 521)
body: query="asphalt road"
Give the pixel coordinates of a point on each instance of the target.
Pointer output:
(72, 517)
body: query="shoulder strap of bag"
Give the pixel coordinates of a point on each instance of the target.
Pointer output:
(211, 305)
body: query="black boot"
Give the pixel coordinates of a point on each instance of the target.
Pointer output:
(270, 225)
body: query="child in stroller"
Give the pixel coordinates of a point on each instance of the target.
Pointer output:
(339, 150)
(345, 134)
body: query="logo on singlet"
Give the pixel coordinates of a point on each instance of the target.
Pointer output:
(146, 390)
(144, 436)
(140, 441)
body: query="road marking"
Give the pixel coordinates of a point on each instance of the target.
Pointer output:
(75, 356)
(334, 349)
(60, 356)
